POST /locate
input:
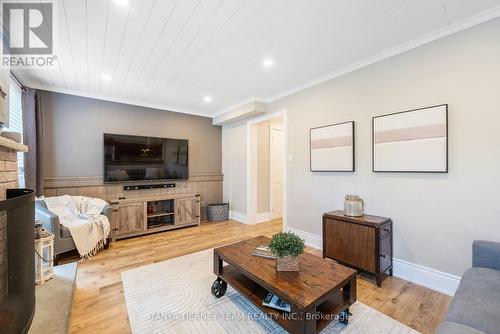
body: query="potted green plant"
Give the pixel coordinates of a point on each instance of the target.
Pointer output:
(287, 247)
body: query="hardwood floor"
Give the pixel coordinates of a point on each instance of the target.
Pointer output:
(99, 303)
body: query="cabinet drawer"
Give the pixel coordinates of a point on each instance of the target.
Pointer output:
(385, 230)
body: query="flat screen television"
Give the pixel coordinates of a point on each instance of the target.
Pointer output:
(136, 158)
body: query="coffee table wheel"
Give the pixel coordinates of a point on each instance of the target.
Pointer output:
(344, 317)
(219, 287)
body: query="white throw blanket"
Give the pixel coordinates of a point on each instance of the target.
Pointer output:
(82, 216)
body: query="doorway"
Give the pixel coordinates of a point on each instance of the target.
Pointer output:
(266, 168)
(275, 171)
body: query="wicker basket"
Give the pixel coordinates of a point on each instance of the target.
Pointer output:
(218, 212)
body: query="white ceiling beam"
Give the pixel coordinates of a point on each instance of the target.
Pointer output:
(240, 113)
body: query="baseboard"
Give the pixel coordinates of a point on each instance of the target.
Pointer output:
(242, 218)
(263, 217)
(428, 277)
(238, 216)
(411, 272)
(311, 240)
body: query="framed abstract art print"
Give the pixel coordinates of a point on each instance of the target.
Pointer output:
(414, 141)
(332, 148)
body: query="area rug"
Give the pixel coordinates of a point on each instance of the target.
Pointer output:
(174, 296)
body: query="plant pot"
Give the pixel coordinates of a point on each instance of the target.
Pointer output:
(287, 263)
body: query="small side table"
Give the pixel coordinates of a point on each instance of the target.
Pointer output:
(44, 258)
(363, 243)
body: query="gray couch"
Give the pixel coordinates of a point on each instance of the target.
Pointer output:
(475, 309)
(63, 242)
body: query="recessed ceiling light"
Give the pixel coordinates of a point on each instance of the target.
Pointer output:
(207, 99)
(268, 62)
(106, 77)
(123, 3)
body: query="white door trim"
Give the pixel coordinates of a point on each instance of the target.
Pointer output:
(251, 203)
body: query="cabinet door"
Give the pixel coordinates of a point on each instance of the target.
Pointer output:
(351, 244)
(187, 210)
(130, 218)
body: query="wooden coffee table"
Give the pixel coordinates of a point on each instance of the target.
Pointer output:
(319, 293)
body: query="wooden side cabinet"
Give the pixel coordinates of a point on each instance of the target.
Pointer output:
(363, 243)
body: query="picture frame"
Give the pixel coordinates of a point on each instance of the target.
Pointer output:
(332, 148)
(411, 141)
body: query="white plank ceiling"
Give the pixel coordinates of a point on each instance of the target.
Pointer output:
(170, 54)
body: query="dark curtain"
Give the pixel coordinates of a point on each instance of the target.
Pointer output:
(33, 138)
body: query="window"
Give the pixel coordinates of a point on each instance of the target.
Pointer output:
(16, 123)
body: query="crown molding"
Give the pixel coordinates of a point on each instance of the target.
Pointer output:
(413, 44)
(464, 24)
(115, 99)
(467, 23)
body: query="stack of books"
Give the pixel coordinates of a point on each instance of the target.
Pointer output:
(263, 251)
(275, 302)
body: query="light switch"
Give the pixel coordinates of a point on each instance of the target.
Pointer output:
(290, 157)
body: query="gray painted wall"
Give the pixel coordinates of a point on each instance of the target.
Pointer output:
(74, 127)
(436, 217)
